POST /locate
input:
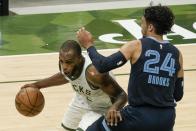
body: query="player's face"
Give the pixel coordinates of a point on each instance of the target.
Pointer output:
(70, 62)
(144, 26)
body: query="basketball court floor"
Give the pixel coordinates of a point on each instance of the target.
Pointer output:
(16, 70)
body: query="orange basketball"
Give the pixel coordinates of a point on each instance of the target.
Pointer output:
(29, 101)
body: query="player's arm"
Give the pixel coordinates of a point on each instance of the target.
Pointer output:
(55, 80)
(105, 64)
(105, 82)
(179, 84)
(102, 63)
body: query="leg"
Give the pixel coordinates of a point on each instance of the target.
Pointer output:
(139, 119)
(87, 120)
(98, 125)
(171, 129)
(101, 125)
(72, 117)
(65, 128)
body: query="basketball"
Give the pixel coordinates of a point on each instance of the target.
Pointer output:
(29, 101)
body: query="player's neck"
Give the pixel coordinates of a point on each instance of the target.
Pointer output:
(157, 37)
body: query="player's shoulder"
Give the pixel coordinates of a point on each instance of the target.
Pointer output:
(93, 74)
(131, 45)
(175, 49)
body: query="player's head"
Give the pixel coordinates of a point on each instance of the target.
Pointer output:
(70, 58)
(157, 19)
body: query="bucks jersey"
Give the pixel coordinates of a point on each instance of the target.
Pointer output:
(153, 76)
(93, 99)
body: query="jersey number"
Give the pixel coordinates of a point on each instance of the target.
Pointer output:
(167, 65)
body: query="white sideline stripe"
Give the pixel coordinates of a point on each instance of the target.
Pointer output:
(95, 6)
(102, 50)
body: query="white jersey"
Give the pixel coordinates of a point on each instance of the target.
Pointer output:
(86, 96)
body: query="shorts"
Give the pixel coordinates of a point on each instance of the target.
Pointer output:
(139, 119)
(78, 117)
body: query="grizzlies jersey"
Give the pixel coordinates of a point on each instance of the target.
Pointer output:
(153, 76)
(94, 99)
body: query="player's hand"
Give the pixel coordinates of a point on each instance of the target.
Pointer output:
(29, 85)
(113, 116)
(85, 38)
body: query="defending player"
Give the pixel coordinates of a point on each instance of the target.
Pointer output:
(156, 80)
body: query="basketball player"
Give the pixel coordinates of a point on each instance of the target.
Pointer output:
(156, 80)
(96, 94)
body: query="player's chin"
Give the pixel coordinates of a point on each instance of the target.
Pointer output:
(67, 73)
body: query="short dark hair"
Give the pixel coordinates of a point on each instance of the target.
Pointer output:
(161, 17)
(71, 45)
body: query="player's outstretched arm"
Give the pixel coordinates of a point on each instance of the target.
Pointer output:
(118, 96)
(102, 63)
(57, 79)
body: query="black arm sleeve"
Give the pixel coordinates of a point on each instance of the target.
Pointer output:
(179, 89)
(105, 64)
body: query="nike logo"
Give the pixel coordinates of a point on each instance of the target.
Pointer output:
(119, 63)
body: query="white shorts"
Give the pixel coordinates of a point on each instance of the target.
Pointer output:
(88, 119)
(79, 116)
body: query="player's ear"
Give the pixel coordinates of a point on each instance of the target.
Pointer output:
(150, 27)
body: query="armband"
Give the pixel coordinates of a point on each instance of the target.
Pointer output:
(105, 64)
